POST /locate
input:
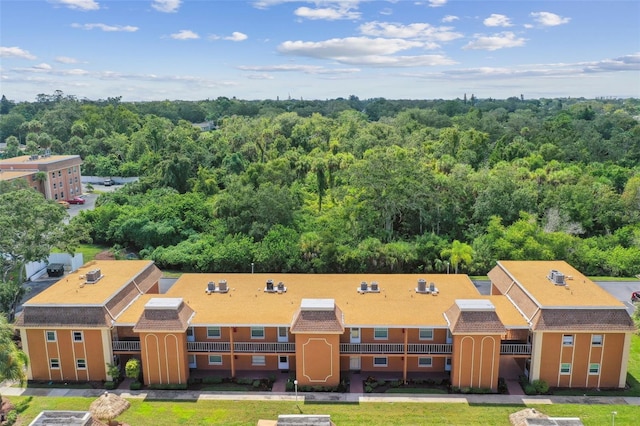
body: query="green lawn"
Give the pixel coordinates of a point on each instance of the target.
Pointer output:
(248, 412)
(89, 251)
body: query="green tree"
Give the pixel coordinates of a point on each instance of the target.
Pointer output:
(458, 253)
(13, 361)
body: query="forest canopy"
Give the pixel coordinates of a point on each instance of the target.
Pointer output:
(350, 185)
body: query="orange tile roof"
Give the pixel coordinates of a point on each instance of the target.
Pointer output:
(72, 290)
(396, 305)
(579, 291)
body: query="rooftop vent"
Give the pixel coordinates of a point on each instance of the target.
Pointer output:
(222, 287)
(271, 288)
(93, 276)
(423, 289)
(556, 277)
(374, 287)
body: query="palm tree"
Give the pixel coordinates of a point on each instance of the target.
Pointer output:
(458, 253)
(12, 360)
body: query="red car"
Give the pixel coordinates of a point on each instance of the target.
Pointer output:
(76, 200)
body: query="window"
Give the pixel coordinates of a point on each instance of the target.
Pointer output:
(425, 361)
(69, 170)
(213, 332)
(567, 340)
(59, 173)
(426, 333)
(215, 359)
(565, 368)
(380, 361)
(596, 339)
(54, 186)
(62, 195)
(257, 332)
(53, 174)
(51, 336)
(380, 333)
(54, 363)
(283, 335)
(81, 364)
(258, 360)
(594, 368)
(77, 336)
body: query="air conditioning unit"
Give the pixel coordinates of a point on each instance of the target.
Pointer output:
(93, 276)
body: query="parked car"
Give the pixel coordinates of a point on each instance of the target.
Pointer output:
(635, 296)
(76, 200)
(108, 182)
(64, 204)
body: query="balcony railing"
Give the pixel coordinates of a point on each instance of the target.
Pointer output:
(371, 348)
(208, 346)
(264, 347)
(515, 349)
(126, 345)
(430, 348)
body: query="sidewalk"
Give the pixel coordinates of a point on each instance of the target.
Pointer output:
(324, 397)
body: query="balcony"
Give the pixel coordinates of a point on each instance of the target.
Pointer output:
(264, 347)
(126, 345)
(371, 348)
(430, 348)
(208, 346)
(515, 349)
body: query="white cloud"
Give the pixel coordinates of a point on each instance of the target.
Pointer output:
(495, 41)
(437, 3)
(375, 52)
(185, 35)
(106, 28)
(548, 19)
(260, 77)
(66, 60)
(237, 36)
(497, 20)
(327, 14)
(386, 11)
(306, 69)
(166, 6)
(421, 31)
(15, 52)
(450, 18)
(79, 4)
(43, 67)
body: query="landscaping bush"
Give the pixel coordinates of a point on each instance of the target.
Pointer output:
(502, 386)
(256, 383)
(540, 386)
(109, 385)
(530, 389)
(244, 381)
(289, 386)
(135, 385)
(212, 380)
(368, 389)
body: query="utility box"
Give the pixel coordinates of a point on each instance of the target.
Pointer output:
(55, 270)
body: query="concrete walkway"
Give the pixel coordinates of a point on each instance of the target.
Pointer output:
(9, 391)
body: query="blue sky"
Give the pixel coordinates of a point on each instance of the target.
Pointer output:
(268, 49)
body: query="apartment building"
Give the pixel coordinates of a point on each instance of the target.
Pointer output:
(546, 317)
(60, 178)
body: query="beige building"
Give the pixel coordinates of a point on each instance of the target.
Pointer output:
(61, 177)
(545, 317)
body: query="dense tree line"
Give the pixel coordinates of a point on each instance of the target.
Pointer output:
(350, 185)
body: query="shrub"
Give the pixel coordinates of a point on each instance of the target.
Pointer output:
(289, 386)
(113, 371)
(502, 385)
(271, 378)
(212, 380)
(382, 382)
(244, 381)
(530, 389)
(256, 383)
(109, 385)
(12, 418)
(368, 389)
(135, 385)
(132, 369)
(540, 386)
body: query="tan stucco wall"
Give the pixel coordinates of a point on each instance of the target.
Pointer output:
(164, 357)
(476, 361)
(317, 359)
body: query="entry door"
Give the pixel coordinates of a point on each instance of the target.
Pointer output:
(447, 364)
(283, 335)
(283, 362)
(192, 361)
(354, 363)
(355, 335)
(190, 336)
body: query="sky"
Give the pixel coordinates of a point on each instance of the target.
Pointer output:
(278, 49)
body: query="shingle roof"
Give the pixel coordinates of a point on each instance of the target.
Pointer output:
(318, 321)
(164, 319)
(87, 316)
(582, 319)
(462, 321)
